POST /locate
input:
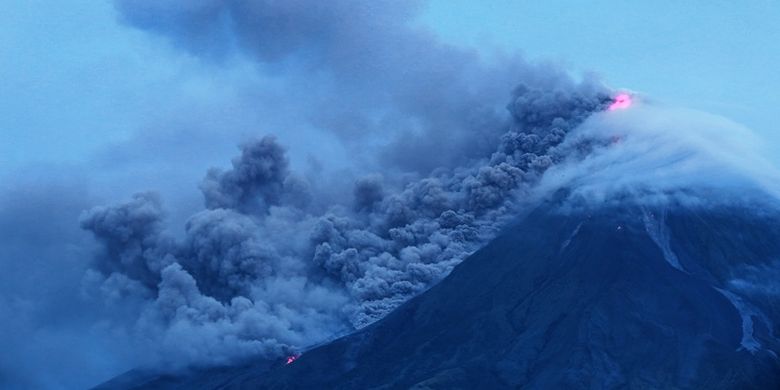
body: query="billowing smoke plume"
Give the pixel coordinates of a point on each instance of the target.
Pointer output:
(218, 293)
(260, 178)
(447, 149)
(220, 289)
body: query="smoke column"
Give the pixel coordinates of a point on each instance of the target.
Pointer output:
(275, 261)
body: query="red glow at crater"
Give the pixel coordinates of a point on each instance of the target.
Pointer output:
(291, 359)
(622, 100)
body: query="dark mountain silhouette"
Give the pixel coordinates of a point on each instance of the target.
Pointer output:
(612, 297)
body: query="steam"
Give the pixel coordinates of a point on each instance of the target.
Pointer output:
(651, 153)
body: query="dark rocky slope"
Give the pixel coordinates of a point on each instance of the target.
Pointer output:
(611, 298)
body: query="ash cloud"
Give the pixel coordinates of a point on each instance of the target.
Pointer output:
(214, 293)
(259, 179)
(131, 238)
(219, 293)
(444, 145)
(391, 91)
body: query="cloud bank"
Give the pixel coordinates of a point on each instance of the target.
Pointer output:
(260, 272)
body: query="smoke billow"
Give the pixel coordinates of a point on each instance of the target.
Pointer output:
(131, 237)
(235, 286)
(445, 146)
(260, 178)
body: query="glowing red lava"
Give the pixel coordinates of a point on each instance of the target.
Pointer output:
(291, 359)
(622, 100)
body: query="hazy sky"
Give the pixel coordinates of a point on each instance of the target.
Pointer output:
(74, 80)
(715, 55)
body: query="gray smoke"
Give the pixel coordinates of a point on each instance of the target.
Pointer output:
(363, 71)
(215, 293)
(260, 178)
(131, 237)
(419, 153)
(277, 262)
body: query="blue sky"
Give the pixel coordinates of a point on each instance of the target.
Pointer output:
(75, 80)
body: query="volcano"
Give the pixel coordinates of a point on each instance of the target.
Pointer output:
(620, 296)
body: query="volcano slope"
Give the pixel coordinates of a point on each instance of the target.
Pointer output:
(614, 297)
